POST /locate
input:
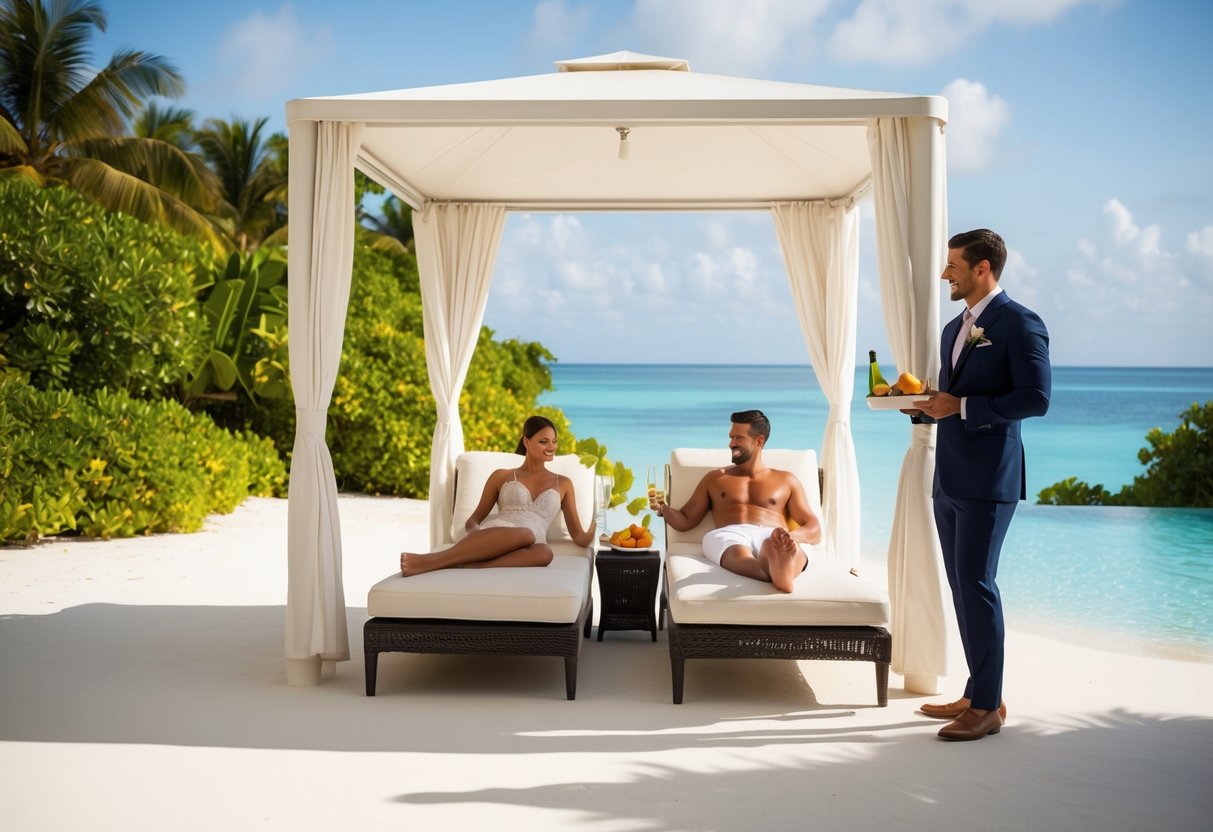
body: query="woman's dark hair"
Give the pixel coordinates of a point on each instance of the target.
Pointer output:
(531, 427)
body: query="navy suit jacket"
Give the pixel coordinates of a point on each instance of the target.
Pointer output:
(1006, 378)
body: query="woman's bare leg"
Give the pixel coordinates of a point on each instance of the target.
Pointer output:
(482, 544)
(538, 555)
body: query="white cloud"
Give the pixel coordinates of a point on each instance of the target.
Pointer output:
(1200, 242)
(976, 119)
(262, 53)
(724, 36)
(1141, 299)
(898, 32)
(690, 288)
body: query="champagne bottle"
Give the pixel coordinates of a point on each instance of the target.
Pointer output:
(874, 376)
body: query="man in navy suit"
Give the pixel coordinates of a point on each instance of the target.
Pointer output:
(994, 373)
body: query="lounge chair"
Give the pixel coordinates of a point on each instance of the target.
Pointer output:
(517, 611)
(713, 613)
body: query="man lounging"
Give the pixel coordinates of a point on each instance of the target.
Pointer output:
(751, 505)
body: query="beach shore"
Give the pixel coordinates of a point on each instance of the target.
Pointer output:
(143, 687)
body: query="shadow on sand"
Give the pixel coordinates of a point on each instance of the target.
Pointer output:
(214, 677)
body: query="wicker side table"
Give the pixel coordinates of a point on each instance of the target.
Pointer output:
(627, 584)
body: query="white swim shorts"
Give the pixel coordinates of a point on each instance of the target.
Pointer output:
(717, 541)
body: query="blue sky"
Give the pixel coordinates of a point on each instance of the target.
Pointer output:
(1080, 130)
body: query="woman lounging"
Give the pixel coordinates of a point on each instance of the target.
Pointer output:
(527, 499)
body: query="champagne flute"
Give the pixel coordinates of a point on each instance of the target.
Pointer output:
(651, 482)
(656, 490)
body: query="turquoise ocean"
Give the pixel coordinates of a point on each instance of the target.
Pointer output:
(1133, 579)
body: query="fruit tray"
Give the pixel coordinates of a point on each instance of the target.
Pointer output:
(632, 551)
(894, 402)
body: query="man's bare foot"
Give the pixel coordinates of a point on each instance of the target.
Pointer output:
(412, 564)
(783, 560)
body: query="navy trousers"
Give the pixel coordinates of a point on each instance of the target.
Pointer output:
(971, 534)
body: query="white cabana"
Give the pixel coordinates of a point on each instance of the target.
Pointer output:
(620, 132)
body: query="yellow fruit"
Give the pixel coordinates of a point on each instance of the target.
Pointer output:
(908, 384)
(881, 390)
(792, 525)
(624, 534)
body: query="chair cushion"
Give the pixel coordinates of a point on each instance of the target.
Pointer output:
(553, 594)
(473, 469)
(826, 594)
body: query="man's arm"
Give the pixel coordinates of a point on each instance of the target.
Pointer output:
(689, 516)
(809, 530)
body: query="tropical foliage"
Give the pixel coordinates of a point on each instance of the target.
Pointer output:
(252, 173)
(61, 122)
(106, 465)
(90, 299)
(1179, 470)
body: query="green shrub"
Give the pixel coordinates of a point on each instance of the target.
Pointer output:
(90, 299)
(1179, 470)
(382, 415)
(105, 465)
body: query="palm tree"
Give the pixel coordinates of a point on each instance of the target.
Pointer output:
(393, 231)
(174, 125)
(60, 122)
(252, 177)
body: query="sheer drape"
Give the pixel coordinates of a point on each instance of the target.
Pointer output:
(907, 161)
(820, 243)
(456, 249)
(320, 259)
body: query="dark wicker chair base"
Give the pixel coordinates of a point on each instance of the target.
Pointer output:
(477, 638)
(723, 641)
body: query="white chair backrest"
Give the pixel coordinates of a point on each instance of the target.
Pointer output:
(689, 465)
(473, 469)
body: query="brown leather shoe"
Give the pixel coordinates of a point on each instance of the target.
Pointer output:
(971, 725)
(954, 709)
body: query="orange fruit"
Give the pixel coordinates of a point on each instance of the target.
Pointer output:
(637, 531)
(881, 390)
(628, 544)
(908, 384)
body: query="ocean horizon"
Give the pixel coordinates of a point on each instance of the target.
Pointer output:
(1135, 579)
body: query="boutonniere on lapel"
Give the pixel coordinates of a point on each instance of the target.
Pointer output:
(977, 337)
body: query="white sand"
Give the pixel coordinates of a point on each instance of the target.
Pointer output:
(142, 686)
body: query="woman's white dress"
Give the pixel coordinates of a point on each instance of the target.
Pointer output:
(516, 509)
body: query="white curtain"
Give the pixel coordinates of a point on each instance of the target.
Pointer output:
(907, 180)
(820, 243)
(320, 262)
(456, 249)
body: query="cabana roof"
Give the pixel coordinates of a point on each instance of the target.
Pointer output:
(551, 141)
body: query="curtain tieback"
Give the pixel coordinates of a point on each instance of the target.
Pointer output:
(311, 422)
(922, 436)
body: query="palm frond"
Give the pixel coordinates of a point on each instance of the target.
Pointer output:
(120, 191)
(31, 173)
(103, 106)
(184, 175)
(45, 59)
(174, 125)
(11, 142)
